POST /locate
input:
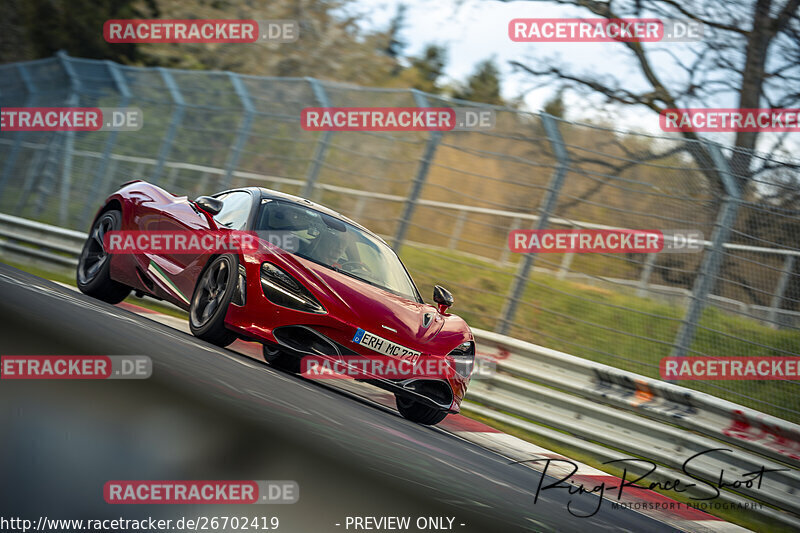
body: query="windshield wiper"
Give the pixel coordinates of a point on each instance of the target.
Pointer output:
(359, 278)
(347, 273)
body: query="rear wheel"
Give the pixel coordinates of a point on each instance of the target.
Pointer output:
(212, 294)
(92, 276)
(281, 359)
(419, 412)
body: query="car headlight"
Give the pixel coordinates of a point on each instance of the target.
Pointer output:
(464, 358)
(282, 289)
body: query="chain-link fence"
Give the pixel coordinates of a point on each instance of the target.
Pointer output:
(448, 200)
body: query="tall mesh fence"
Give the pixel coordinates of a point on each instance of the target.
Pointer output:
(448, 201)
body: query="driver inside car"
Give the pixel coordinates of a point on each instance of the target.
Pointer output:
(329, 248)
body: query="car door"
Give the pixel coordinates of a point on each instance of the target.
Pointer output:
(177, 273)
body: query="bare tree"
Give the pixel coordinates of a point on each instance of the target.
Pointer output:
(750, 50)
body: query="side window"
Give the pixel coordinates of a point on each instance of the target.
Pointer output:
(235, 210)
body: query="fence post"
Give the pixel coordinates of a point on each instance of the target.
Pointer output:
(419, 179)
(66, 180)
(322, 144)
(11, 162)
(202, 184)
(172, 178)
(515, 222)
(566, 262)
(99, 185)
(709, 268)
(783, 281)
(244, 129)
(35, 167)
(46, 163)
(644, 281)
(545, 210)
(69, 143)
(177, 118)
(359, 208)
(458, 227)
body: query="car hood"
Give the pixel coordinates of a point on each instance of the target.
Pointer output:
(375, 309)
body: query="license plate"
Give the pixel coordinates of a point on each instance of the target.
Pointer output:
(384, 346)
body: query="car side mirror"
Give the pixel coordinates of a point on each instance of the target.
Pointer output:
(210, 205)
(442, 297)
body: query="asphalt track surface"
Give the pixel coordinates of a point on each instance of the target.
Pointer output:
(233, 418)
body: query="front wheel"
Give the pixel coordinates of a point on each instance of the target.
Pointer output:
(212, 294)
(93, 274)
(419, 412)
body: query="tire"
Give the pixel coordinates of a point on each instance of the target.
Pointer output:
(93, 273)
(281, 360)
(212, 294)
(419, 412)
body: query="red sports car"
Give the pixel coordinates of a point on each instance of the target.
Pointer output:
(338, 290)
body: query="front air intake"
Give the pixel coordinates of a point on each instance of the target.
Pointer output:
(305, 340)
(436, 391)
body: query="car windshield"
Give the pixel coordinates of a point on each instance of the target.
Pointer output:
(334, 244)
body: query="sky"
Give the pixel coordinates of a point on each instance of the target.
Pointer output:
(476, 30)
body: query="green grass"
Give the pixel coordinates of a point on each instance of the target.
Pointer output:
(479, 308)
(610, 327)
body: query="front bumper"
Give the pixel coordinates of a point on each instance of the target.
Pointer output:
(302, 333)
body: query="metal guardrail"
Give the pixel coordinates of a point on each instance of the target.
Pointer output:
(772, 315)
(604, 411)
(560, 397)
(34, 240)
(456, 195)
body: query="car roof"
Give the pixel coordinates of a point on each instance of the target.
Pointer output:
(271, 194)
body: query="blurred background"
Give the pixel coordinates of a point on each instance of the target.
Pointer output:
(576, 145)
(199, 417)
